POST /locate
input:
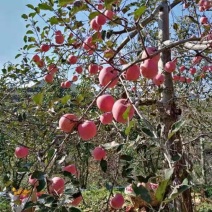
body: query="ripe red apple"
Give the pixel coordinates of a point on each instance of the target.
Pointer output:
(59, 39)
(36, 58)
(106, 75)
(52, 69)
(40, 64)
(182, 79)
(93, 69)
(105, 102)
(182, 68)
(158, 79)
(21, 152)
(58, 32)
(62, 85)
(99, 153)
(109, 14)
(44, 47)
(100, 7)
(119, 109)
(176, 78)
(106, 118)
(101, 19)
(188, 80)
(192, 70)
(150, 51)
(149, 68)
(67, 122)
(87, 130)
(196, 60)
(203, 20)
(117, 201)
(49, 78)
(67, 84)
(76, 201)
(71, 168)
(88, 44)
(57, 186)
(74, 78)
(79, 69)
(72, 59)
(33, 181)
(170, 66)
(132, 73)
(94, 25)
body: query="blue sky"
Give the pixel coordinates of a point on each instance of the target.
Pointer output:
(12, 28)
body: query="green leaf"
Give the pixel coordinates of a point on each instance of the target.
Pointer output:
(30, 6)
(29, 32)
(142, 192)
(108, 3)
(148, 132)
(28, 205)
(168, 173)
(103, 165)
(139, 12)
(126, 112)
(128, 128)
(176, 127)
(93, 15)
(45, 6)
(126, 157)
(38, 98)
(73, 209)
(53, 20)
(39, 175)
(161, 190)
(18, 55)
(24, 16)
(65, 99)
(64, 2)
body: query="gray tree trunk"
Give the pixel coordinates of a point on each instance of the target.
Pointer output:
(168, 115)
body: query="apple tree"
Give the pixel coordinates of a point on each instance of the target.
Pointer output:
(115, 81)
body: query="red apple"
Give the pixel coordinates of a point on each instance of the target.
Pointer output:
(21, 152)
(170, 66)
(105, 102)
(72, 59)
(59, 39)
(71, 168)
(106, 118)
(93, 69)
(101, 19)
(193, 70)
(182, 68)
(150, 51)
(36, 58)
(76, 201)
(203, 20)
(33, 181)
(52, 69)
(74, 78)
(106, 75)
(44, 47)
(109, 14)
(79, 69)
(99, 153)
(121, 108)
(67, 122)
(149, 68)
(132, 73)
(57, 185)
(49, 78)
(176, 78)
(158, 79)
(87, 130)
(40, 64)
(67, 84)
(94, 25)
(117, 201)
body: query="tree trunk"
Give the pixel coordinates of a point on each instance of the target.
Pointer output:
(169, 114)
